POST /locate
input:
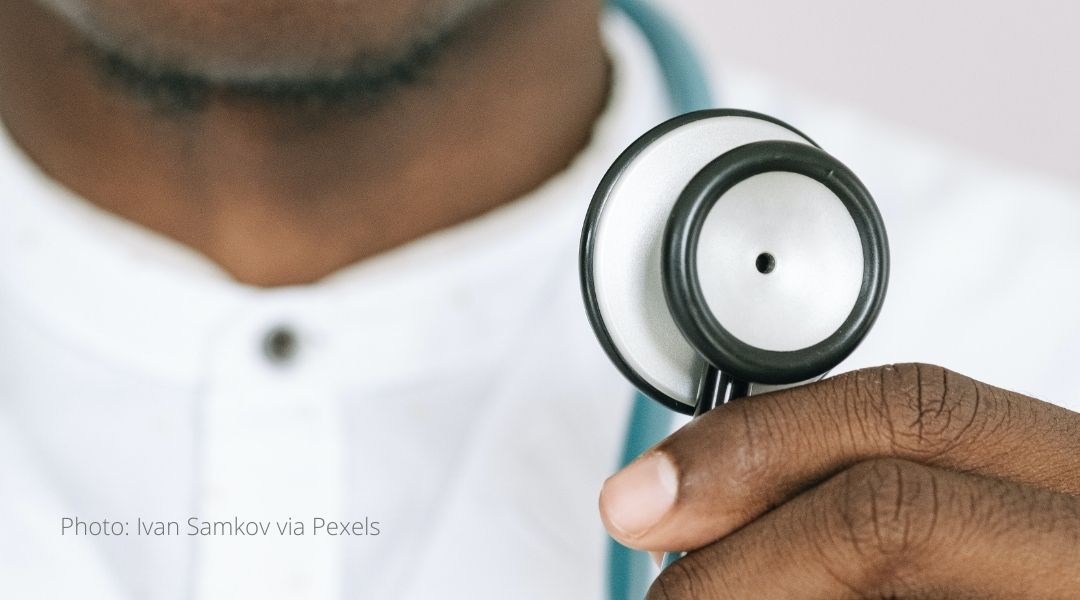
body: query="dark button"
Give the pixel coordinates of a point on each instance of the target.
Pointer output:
(281, 345)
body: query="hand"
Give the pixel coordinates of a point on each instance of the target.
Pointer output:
(905, 481)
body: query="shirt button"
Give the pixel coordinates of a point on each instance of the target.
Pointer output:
(281, 345)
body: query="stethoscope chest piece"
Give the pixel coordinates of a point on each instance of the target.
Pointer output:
(725, 245)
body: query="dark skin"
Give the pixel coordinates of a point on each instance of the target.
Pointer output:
(897, 482)
(905, 481)
(281, 193)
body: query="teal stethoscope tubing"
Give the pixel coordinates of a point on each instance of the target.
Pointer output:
(688, 90)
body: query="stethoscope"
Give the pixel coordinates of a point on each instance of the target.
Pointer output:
(724, 254)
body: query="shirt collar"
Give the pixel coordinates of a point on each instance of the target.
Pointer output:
(135, 298)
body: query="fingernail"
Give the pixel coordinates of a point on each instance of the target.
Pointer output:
(657, 558)
(637, 497)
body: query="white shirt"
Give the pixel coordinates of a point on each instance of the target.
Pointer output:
(450, 390)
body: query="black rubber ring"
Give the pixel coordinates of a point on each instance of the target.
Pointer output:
(588, 238)
(682, 287)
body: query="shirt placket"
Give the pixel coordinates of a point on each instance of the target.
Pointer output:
(271, 453)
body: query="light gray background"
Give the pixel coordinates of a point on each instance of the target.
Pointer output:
(996, 77)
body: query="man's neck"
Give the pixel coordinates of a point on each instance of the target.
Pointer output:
(279, 195)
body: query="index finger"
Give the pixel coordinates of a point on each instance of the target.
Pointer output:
(736, 462)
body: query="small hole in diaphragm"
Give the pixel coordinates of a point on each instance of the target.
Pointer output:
(765, 263)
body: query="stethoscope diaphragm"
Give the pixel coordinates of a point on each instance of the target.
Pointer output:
(728, 241)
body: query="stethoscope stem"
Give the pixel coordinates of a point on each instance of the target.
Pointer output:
(716, 388)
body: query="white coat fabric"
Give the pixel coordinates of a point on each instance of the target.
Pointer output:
(450, 390)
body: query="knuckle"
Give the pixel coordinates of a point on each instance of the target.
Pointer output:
(683, 580)
(752, 444)
(885, 512)
(925, 411)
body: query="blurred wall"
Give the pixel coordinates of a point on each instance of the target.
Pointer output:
(1001, 77)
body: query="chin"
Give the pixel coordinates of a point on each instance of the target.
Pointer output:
(231, 41)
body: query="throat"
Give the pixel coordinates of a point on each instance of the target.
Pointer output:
(285, 193)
